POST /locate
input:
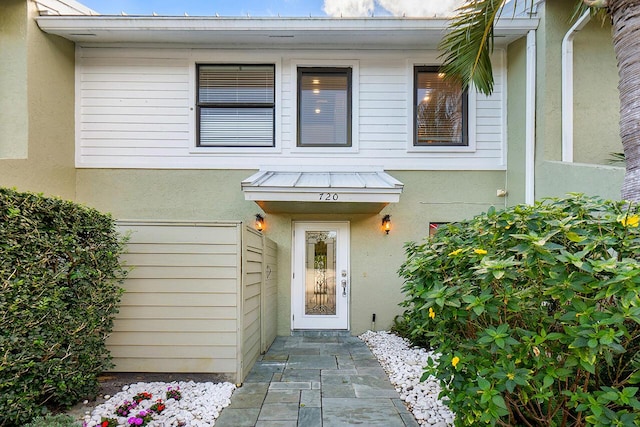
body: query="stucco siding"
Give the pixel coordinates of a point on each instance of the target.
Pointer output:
(556, 179)
(205, 195)
(516, 105)
(136, 109)
(596, 126)
(37, 105)
(14, 115)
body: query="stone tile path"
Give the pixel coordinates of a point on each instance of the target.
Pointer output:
(323, 381)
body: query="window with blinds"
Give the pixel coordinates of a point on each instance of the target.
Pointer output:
(236, 105)
(324, 107)
(440, 109)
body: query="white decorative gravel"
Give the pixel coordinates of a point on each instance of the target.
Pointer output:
(200, 405)
(404, 364)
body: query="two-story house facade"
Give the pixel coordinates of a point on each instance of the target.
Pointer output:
(321, 120)
(340, 133)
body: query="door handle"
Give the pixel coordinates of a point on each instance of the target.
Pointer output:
(344, 287)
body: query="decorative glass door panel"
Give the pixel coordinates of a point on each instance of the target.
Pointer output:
(320, 273)
(320, 276)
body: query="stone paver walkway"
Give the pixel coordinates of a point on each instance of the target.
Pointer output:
(309, 381)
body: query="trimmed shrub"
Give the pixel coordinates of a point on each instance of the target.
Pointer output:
(54, 421)
(59, 279)
(535, 312)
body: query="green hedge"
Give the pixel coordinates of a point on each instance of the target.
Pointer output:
(535, 312)
(59, 277)
(59, 420)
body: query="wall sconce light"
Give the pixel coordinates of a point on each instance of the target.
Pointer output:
(386, 223)
(259, 222)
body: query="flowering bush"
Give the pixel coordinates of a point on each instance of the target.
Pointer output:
(109, 422)
(125, 407)
(174, 393)
(142, 396)
(137, 411)
(158, 407)
(535, 312)
(142, 418)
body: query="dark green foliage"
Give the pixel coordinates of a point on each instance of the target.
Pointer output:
(54, 421)
(536, 312)
(59, 292)
(402, 328)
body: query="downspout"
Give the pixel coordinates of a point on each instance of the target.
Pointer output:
(530, 119)
(567, 87)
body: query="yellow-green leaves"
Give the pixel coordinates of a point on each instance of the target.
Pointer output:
(539, 304)
(575, 237)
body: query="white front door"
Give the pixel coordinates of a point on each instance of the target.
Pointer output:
(321, 275)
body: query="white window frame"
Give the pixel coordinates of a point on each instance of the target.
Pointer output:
(432, 61)
(355, 104)
(232, 58)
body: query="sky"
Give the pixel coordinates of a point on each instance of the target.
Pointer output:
(286, 8)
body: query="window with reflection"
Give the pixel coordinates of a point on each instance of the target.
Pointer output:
(324, 107)
(440, 109)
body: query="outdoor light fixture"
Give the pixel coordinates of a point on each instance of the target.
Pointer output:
(259, 222)
(386, 223)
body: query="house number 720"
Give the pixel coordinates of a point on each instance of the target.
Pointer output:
(328, 196)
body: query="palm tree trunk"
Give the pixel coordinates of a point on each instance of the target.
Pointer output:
(625, 15)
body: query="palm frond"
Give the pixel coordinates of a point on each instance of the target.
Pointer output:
(597, 12)
(467, 48)
(579, 10)
(616, 158)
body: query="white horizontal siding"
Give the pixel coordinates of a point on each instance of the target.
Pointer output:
(136, 109)
(384, 88)
(148, 102)
(133, 103)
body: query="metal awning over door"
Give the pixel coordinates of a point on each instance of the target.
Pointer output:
(322, 192)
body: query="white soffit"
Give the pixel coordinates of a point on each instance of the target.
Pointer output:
(299, 32)
(355, 192)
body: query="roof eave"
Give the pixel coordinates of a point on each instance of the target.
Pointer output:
(279, 31)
